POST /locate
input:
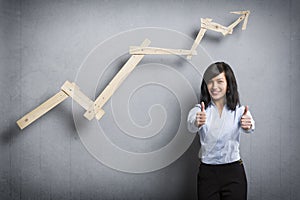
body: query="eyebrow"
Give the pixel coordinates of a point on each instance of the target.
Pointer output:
(217, 79)
(220, 79)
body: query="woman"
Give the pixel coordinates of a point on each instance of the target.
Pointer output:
(219, 120)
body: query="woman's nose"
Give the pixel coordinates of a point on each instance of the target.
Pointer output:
(214, 85)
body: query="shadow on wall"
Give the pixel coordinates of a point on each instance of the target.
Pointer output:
(9, 134)
(62, 113)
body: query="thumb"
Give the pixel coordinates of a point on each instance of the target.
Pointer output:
(202, 107)
(246, 110)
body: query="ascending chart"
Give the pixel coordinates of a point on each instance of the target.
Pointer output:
(141, 84)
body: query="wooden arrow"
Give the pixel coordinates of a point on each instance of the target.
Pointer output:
(94, 109)
(208, 24)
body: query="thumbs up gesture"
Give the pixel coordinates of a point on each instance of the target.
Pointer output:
(201, 116)
(246, 120)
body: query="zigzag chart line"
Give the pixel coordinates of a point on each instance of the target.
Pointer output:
(94, 108)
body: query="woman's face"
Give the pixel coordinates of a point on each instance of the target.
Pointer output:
(217, 87)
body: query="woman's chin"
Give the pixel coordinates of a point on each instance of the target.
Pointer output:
(217, 98)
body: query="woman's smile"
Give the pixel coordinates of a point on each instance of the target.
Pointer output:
(214, 93)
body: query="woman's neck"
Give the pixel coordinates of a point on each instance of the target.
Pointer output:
(220, 105)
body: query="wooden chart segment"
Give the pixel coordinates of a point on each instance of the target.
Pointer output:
(73, 91)
(245, 16)
(240, 12)
(214, 26)
(234, 24)
(42, 109)
(199, 37)
(96, 110)
(208, 24)
(137, 50)
(246, 20)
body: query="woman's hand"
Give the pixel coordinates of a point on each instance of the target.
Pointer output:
(246, 120)
(201, 116)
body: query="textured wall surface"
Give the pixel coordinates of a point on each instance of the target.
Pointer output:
(44, 43)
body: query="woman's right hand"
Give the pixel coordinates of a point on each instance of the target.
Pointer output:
(201, 116)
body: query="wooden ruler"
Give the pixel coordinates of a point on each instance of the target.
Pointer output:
(136, 50)
(68, 89)
(42, 109)
(96, 110)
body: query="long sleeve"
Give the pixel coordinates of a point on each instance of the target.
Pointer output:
(220, 135)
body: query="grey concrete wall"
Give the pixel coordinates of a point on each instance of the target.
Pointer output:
(43, 43)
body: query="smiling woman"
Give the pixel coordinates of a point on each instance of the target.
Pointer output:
(221, 172)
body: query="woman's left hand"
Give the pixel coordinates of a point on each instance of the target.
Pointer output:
(246, 120)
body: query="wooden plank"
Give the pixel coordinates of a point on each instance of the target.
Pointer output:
(215, 27)
(114, 84)
(42, 109)
(234, 24)
(137, 50)
(241, 12)
(99, 114)
(246, 20)
(199, 37)
(77, 95)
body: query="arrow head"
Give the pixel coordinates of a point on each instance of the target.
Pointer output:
(245, 12)
(246, 20)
